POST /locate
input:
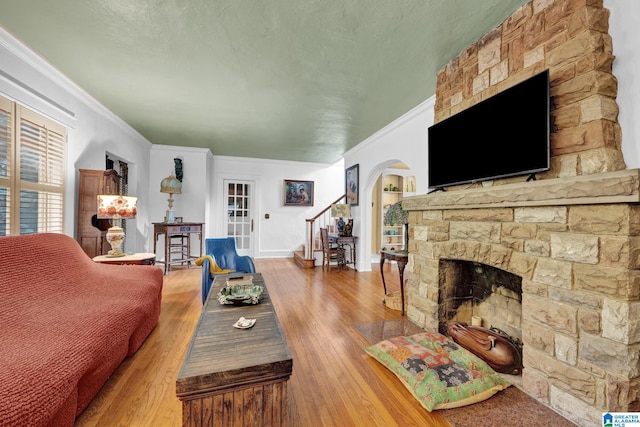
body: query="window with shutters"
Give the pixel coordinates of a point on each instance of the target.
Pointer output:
(32, 169)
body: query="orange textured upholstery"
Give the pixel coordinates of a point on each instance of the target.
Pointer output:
(67, 324)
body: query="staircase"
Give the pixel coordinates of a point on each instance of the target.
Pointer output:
(305, 257)
(300, 256)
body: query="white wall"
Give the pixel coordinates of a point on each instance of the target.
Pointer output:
(92, 129)
(624, 28)
(404, 140)
(192, 203)
(284, 231)
(202, 198)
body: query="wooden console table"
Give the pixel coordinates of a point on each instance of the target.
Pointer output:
(235, 377)
(350, 241)
(182, 230)
(401, 258)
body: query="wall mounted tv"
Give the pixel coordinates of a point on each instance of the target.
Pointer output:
(504, 135)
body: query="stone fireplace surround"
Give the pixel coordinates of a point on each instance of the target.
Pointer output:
(575, 242)
(573, 236)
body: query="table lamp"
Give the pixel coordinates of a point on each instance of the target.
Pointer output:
(341, 211)
(172, 186)
(115, 207)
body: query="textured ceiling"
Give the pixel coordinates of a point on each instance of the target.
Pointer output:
(284, 79)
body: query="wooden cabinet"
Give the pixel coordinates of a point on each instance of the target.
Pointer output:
(394, 187)
(91, 230)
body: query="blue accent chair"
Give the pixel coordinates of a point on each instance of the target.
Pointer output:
(223, 251)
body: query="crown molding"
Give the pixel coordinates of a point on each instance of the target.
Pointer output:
(424, 107)
(34, 61)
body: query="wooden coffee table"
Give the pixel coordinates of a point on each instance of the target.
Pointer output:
(135, 259)
(235, 376)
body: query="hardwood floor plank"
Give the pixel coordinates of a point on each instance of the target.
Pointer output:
(334, 383)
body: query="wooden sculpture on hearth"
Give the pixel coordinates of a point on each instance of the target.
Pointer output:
(499, 350)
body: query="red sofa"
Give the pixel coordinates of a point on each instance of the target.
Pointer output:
(66, 324)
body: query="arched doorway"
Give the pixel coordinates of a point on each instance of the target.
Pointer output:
(366, 215)
(394, 183)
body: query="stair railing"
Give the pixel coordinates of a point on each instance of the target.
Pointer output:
(322, 219)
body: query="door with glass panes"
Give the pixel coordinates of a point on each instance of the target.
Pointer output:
(240, 206)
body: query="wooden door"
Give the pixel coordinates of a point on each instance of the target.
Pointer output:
(240, 214)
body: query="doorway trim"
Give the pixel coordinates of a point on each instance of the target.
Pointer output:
(220, 207)
(366, 202)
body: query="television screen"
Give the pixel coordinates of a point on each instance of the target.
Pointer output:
(504, 135)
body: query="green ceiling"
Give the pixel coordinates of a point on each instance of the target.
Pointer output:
(284, 79)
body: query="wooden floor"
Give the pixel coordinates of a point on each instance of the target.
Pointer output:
(334, 383)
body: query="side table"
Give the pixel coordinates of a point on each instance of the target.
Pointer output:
(179, 230)
(401, 258)
(134, 259)
(350, 241)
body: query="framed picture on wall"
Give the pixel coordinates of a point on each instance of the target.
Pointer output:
(298, 193)
(352, 185)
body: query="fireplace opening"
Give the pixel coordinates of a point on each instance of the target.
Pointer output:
(479, 294)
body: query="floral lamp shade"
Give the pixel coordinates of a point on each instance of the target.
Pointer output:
(116, 207)
(340, 211)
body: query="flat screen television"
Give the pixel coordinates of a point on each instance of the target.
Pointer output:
(504, 135)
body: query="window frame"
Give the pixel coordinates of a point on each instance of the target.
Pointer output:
(35, 157)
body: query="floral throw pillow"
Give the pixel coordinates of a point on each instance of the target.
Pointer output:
(438, 372)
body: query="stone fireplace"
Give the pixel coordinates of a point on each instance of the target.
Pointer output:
(572, 237)
(479, 294)
(575, 242)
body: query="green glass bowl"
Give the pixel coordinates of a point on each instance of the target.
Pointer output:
(240, 294)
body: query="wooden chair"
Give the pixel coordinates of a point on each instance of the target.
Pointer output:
(331, 252)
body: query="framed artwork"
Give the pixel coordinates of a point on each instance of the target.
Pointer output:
(298, 193)
(352, 185)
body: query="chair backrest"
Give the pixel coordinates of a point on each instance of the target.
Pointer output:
(223, 251)
(324, 237)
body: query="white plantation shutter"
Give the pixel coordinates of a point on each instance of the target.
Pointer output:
(37, 145)
(6, 162)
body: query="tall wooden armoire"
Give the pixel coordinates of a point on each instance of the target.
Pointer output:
(91, 231)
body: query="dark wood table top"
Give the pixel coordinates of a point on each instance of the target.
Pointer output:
(178, 224)
(222, 356)
(342, 239)
(394, 255)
